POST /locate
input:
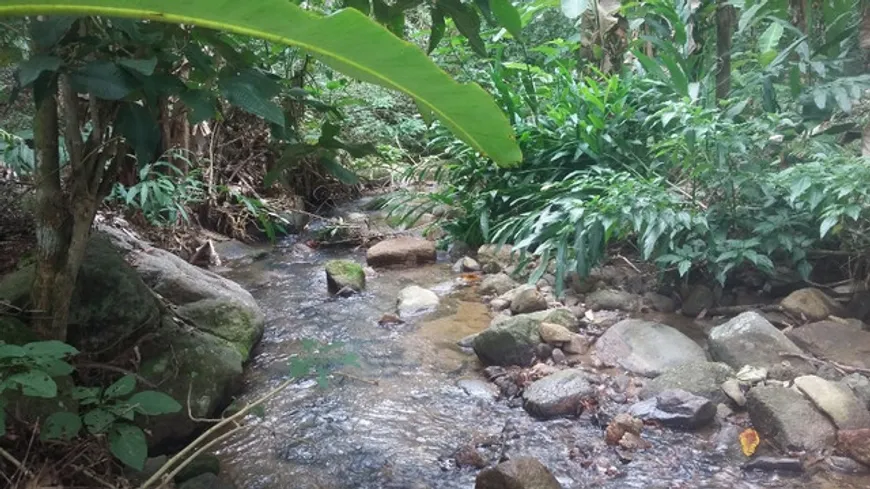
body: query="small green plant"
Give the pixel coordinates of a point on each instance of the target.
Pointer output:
(31, 369)
(163, 192)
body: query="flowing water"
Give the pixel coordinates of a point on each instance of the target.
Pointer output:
(395, 420)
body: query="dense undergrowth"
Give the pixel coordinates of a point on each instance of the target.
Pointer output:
(769, 177)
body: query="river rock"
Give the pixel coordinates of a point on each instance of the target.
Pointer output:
(110, 304)
(559, 316)
(647, 348)
(466, 264)
(401, 252)
(478, 389)
(204, 299)
(184, 362)
(416, 300)
(526, 299)
(205, 463)
(659, 302)
(344, 275)
(497, 284)
(812, 304)
(559, 394)
(834, 340)
(785, 416)
(555, 334)
(836, 400)
(749, 339)
(498, 304)
(856, 444)
(700, 297)
(499, 255)
(510, 342)
(676, 408)
(558, 356)
(860, 385)
(701, 379)
(611, 299)
(732, 389)
(517, 473)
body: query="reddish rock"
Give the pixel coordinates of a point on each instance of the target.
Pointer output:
(856, 444)
(401, 252)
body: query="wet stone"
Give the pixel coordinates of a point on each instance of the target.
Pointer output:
(785, 416)
(647, 348)
(518, 473)
(676, 408)
(835, 400)
(702, 379)
(559, 394)
(749, 339)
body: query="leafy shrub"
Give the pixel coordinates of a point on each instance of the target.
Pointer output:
(32, 368)
(163, 192)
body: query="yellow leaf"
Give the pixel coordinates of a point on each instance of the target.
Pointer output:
(749, 441)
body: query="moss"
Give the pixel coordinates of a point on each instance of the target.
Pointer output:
(345, 273)
(226, 320)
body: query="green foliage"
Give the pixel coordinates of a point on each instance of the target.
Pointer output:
(32, 369)
(163, 192)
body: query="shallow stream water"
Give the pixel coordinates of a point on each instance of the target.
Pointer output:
(394, 421)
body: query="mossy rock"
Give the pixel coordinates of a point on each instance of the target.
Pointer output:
(229, 320)
(345, 274)
(188, 363)
(203, 464)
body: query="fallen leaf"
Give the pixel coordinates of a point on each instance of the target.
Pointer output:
(749, 441)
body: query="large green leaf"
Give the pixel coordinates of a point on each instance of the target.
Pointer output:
(127, 442)
(347, 41)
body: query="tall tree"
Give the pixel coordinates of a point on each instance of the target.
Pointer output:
(724, 34)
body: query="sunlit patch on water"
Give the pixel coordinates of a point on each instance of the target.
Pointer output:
(393, 421)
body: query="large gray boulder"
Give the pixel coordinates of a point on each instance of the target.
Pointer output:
(517, 473)
(189, 364)
(701, 379)
(559, 394)
(510, 342)
(836, 400)
(749, 339)
(785, 416)
(208, 301)
(401, 252)
(111, 304)
(647, 348)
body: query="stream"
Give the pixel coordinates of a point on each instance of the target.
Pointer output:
(395, 420)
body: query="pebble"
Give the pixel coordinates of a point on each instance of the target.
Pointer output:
(558, 356)
(731, 388)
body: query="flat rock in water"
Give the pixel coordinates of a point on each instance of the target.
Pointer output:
(749, 339)
(834, 340)
(559, 394)
(676, 408)
(416, 300)
(509, 342)
(785, 416)
(561, 316)
(479, 389)
(835, 400)
(497, 284)
(517, 473)
(528, 299)
(401, 252)
(701, 379)
(812, 304)
(856, 444)
(611, 299)
(344, 275)
(647, 348)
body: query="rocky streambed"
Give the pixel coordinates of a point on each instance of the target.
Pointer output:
(494, 383)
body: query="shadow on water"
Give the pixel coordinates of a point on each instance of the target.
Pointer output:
(394, 421)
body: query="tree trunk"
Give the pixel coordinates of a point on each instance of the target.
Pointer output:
(52, 289)
(864, 43)
(724, 33)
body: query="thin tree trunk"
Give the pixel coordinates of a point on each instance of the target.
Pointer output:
(798, 10)
(864, 43)
(51, 291)
(724, 33)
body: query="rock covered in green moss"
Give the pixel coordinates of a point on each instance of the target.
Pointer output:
(344, 276)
